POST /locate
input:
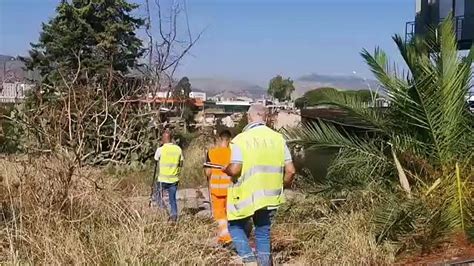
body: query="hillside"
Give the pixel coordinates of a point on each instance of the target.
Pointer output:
(302, 84)
(313, 81)
(213, 86)
(12, 68)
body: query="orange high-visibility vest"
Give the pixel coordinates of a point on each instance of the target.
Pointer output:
(219, 181)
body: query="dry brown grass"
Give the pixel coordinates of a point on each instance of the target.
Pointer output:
(54, 213)
(52, 216)
(308, 232)
(194, 157)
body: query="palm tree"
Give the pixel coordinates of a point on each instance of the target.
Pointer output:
(425, 137)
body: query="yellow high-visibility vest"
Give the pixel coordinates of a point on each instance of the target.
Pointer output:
(170, 158)
(260, 184)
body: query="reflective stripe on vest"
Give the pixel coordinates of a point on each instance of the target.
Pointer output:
(170, 158)
(219, 181)
(256, 196)
(258, 169)
(261, 182)
(169, 165)
(218, 177)
(222, 222)
(219, 186)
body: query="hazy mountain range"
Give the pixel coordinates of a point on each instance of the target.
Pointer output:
(302, 84)
(313, 81)
(13, 70)
(227, 88)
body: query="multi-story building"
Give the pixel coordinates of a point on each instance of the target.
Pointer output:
(430, 13)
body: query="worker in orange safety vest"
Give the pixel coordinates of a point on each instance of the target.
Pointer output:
(218, 184)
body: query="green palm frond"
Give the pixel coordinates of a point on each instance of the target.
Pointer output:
(355, 107)
(412, 223)
(367, 174)
(403, 106)
(320, 135)
(395, 218)
(405, 143)
(455, 191)
(429, 129)
(430, 102)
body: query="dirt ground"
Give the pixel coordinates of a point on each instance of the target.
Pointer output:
(460, 252)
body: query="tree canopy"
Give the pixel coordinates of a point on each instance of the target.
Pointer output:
(182, 89)
(324, 94)
(87, 37)
(281, 88)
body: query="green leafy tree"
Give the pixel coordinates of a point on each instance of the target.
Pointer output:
(88, 37)
(325, 94)
(422, 145)
(182, 89)
(280, 88)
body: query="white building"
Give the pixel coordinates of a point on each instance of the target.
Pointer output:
(236, 103)
(14, 92)
(198, 95)
(160, 94)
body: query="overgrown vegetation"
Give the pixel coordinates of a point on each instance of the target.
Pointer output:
(10, 134)
(411, 164)
(54, 213)
(320, 95)
(195, 155)
(93, 98)
(403, 182)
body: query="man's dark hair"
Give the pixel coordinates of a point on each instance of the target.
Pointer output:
(225, 134)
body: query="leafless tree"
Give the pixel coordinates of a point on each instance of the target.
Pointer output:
(169, 40)
(91, 121)
(100, 124)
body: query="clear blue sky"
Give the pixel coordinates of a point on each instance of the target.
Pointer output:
(255, 39)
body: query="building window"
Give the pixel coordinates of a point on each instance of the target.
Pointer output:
(445, 7)
(459, 7)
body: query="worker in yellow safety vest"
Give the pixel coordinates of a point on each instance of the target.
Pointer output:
(218, 184)
(170, 158)
(260, 167)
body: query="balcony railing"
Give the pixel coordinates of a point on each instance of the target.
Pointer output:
(410, 28)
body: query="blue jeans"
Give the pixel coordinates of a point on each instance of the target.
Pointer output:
(238, 230)
(171, 189)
